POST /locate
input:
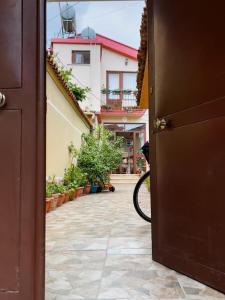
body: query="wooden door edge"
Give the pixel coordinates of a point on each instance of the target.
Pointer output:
(39, 285)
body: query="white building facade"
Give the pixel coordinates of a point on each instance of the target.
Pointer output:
(109, 69)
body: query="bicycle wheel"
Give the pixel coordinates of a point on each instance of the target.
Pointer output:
(141, 197)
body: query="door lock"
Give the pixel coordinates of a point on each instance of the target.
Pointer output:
(160, 124)
(2, 100)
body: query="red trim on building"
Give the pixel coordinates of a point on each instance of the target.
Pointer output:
(137, 113)
(105, 42)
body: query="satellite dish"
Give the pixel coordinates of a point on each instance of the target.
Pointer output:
(68, 17)
(88, 33)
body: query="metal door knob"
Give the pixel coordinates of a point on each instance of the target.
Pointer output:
(160, 124)
(2, 100)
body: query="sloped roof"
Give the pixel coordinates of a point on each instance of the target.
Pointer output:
(142, 54)
(104, 41)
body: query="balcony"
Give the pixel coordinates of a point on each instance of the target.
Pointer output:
(119, 101)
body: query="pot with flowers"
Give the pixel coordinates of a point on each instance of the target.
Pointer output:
(53, 189)
(61, 196)
(48, 198)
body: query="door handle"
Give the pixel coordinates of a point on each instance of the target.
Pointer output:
(2, 100)
(160, 124)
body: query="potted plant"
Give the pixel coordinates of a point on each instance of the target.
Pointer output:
(105, 91)
(52, 188)
(116, 92)
(66, 193)
(100, 153)
(106, 107)
(71, 194)
(80, 179)
(127, 92)
(61, 196)
(48, 199)
(73, 190)
(87, 188)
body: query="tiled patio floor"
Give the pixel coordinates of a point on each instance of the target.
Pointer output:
(98, 248)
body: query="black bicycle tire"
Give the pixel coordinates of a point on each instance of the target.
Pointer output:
(135, 197)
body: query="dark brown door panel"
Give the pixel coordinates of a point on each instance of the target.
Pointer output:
(10, 201)
(187, 60)
(11, 44)
(190, 201)
(22, 149)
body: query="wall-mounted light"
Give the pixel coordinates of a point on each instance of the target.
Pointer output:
(126, 61)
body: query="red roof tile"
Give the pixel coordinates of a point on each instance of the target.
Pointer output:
(103, 41)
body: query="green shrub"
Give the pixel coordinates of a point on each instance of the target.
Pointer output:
(99, 155)
(74, 177)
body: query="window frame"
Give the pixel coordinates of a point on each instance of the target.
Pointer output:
(73, 58)
(120, 99)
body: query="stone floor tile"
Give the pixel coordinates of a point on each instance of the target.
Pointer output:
(74, 260)
(99, 248)
(129, 243)
(81, 244)
(136, 251)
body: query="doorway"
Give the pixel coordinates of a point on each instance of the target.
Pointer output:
(134, 137)
(196, 29)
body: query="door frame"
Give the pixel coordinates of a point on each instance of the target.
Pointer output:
(39, 288)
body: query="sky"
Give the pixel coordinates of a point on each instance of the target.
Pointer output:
(119, 20)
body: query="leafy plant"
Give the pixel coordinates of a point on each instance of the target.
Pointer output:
(99, 155)
(79, 92)
(127, 92)
(74, 177)
(73, 152)
(71, 193)
(107, 107)
(116, 92)
(48, 190)
(105, 91)
(60, 188)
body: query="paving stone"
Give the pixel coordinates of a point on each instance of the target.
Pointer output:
(99, 248)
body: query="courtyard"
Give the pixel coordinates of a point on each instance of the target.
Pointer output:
(99, 248)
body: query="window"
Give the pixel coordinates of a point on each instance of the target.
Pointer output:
(114, 85)
(81, 57)
(121, 85)
(129, 83)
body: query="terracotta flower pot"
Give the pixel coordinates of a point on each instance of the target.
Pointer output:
(60, 200)
(71, 194)
(80, 191)
(106, 186)
(48, 204)
(54, 201)
(66, 197)
(75, 194)
(87, 189)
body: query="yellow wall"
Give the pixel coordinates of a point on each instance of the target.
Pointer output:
(65, 124)
(144, 101)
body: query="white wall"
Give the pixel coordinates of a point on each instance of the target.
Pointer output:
(112, 61)
(87, 75)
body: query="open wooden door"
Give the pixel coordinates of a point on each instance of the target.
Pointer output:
(188, 152)
(22, 149)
